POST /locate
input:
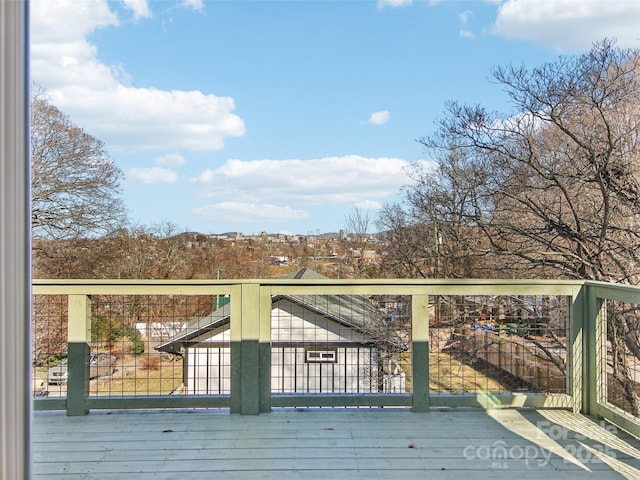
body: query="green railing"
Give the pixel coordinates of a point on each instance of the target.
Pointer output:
(612, 361)
(410, 343)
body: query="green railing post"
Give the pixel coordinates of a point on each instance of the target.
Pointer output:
(264, 345)
(597, 403)
(79, 337)
(245, 350)
(576, 369)
(420, 352)
(599, 377)
(594, 319)
(235, 337)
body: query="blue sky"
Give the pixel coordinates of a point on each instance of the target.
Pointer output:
(285, 116)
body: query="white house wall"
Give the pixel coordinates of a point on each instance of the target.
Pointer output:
(292, 323)
(294, 330)
(354, 371)
(208, 371)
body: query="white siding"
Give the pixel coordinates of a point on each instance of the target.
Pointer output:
(294, 329)
(292, 323)
(355, 371)
(208, 371)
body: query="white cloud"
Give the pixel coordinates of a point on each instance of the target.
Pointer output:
(101, 98)
(368, 205)
(467, 34)
(249, 213)
(150, 175)
(569, 25)
(464, 19)
(196, 5)
(393, 3)
(279, 191)
(55, 23)
(171, 159)
(379, 118)
(465, 16)
(140, 8)
(324, 181)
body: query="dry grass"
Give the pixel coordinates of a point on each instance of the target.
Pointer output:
(162, 379)
(154, 377)
(150, 362)
(449, 375)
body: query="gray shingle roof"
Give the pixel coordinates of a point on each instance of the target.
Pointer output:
(304, 274)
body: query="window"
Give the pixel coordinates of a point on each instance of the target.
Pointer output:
(321, 356)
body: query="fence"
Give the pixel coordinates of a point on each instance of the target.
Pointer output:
(612, 354)
(332, 343)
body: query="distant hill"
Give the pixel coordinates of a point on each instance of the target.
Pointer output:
(192, 235)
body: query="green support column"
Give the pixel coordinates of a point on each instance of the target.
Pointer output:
(264, 345)
(245, 350)
(594, 366)
(78, 354)
(420, 352)
(576, 367)
(235, 336)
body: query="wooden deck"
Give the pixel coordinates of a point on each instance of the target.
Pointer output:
(332, 444)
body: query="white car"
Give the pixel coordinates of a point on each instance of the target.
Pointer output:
(100, 365)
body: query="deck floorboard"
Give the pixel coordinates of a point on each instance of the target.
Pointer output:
(331, 444)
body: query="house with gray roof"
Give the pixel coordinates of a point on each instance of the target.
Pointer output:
(319, 344)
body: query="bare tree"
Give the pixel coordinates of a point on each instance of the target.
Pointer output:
(553, 187)
(433, 235)
(558, 188)
(409, 253)
(75, 184)
(357, 223)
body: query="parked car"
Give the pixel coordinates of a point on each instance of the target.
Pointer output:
(100, 365)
